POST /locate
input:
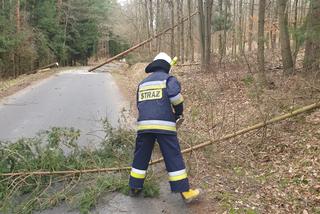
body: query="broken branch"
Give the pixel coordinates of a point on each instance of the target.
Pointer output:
(196, 147)
(124, 53)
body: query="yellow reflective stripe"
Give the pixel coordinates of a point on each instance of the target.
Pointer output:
(160, 127)
(136, 175)
(178, 177)
(178, 101)
(148, 87)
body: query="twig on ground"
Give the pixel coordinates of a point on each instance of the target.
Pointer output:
(199, 146)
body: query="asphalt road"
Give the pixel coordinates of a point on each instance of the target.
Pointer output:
(72, 98)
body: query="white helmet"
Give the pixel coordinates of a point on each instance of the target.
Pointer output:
(163, 56)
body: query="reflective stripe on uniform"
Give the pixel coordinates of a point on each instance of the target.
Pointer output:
(153, 85)
(137, 173)
(156, 124)
(176, 100)
(178, 175)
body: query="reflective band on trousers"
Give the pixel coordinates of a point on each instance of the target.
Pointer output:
(157, 124)
(153, 85)
(137, 173)
(178, 175)
(176, 100)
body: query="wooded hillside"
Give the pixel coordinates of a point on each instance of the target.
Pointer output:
(228, 28)
(37, 33)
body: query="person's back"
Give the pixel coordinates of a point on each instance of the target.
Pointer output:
(154, 105)
(160, 104)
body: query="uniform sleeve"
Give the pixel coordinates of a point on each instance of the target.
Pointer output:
(175, 96)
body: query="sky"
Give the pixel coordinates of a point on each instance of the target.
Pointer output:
(122, 2)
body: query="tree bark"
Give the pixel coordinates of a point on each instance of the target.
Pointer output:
(147, 22)
(151, 23)
(225, 20)
(172, 45)
(240, 30)
(158, 18)
(250, 39)
(202, 34)
(191, 49)
(182, 33)
(208, 16)
(312, 50)
(220, 33)
(261, 62)
(274, 27)
(234, 43)
(297, 44)
(18, 22)
(285, 37)
(178, 42)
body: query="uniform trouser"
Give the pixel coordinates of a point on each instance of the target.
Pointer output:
(170, 149)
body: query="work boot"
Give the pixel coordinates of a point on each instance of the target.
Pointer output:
(134, 192)
(191, 195)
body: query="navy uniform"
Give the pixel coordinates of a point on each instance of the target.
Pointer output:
(160, 104)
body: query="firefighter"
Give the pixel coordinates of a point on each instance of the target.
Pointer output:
(160, 105)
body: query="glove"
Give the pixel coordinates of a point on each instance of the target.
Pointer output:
(179, 120)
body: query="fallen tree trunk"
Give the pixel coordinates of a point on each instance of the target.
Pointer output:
(56, 64)
(189, 64)
(124, 53)
(45, 68)
(196, 147)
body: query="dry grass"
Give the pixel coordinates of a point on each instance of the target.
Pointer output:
(11, 86)
(272, 170)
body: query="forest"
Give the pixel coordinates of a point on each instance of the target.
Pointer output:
(35, 33)
(230, 28)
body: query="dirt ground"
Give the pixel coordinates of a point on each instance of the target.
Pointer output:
(271, 170)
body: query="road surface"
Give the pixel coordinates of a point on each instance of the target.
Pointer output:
(72, 98)
(116, 203)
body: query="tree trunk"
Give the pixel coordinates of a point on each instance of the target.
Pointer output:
(172, 45)
(262, 10)
(285, 37)
(178, 12)
(202, 34)
(158, 25)
(234, 43)
(191, 49)
(147, 22)
(225, 21)
(295, 38)
(151, 23)
(220, 33)
(161, 22)
(182, 33)
(312, 53)
(240, 30)
(208, 16)
(251, 25)
(18, 23)
(274, 28)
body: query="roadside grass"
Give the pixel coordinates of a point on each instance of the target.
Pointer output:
(12, 85)
(47, 152)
